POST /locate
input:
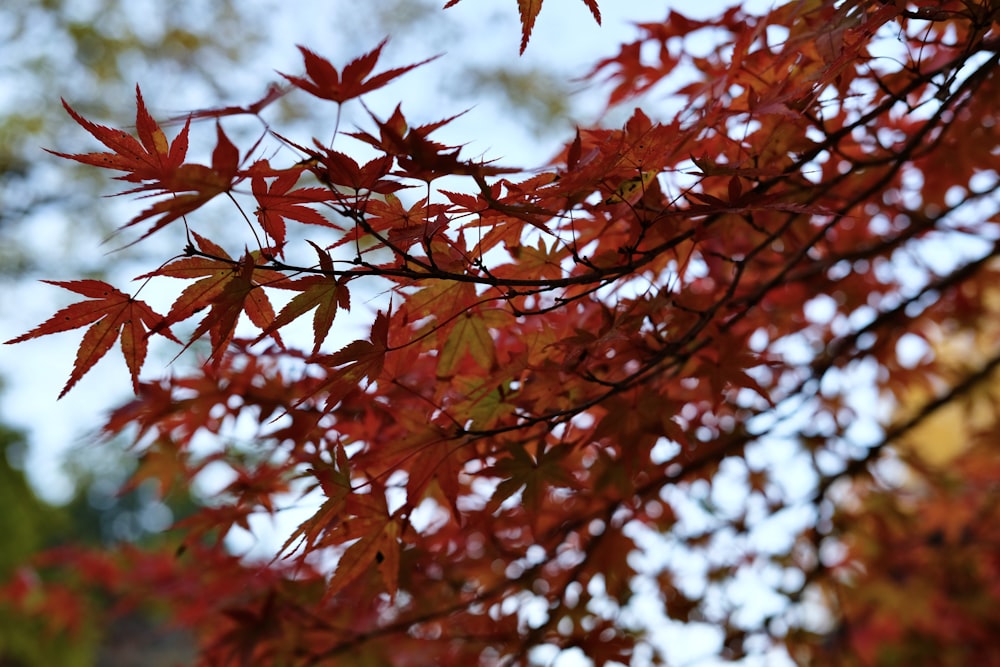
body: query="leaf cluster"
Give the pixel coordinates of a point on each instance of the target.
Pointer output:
(570, 360)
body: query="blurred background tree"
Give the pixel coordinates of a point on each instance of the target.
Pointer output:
(909, 566)
(98, 515)
(28, 525)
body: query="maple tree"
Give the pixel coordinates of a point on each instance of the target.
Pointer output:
(651, 346)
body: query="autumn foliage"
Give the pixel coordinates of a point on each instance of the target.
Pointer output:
(610, 377)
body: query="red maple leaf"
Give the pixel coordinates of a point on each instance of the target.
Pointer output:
(192, 185)
(323, 293)
(278, 202)
(158, 165)
(111, 313)
(325, 82)
(227, 287)
(150, 159)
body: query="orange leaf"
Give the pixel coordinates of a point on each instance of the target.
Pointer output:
(360, 360)
(471, 336)
(529, 12)
(319, 292)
